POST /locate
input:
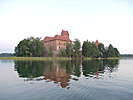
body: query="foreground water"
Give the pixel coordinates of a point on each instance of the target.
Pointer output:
(66, 80)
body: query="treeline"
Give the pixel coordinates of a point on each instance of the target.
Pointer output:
(6, 55)
(126, 55)
(30, 47)
(34, 47)
(89, 49)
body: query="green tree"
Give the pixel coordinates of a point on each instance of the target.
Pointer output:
(22, 49)
(111, 52)
(31, 47)
(76, 47)
(85, 49)
(117, 54)
(101, 50)
(89, 49)
(62, 53)
(69, 49)
(51, 51)
(95, 51)
(105, 55)
(39, 47)
(36, 46)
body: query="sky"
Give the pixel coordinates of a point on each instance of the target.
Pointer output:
(108, 21)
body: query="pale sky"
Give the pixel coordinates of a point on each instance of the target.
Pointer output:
(109, 21)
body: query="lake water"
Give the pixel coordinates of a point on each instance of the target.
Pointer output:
(66, 80)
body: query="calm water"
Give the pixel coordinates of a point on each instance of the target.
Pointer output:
(66, 80)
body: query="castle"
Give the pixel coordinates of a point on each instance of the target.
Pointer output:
(57, 42)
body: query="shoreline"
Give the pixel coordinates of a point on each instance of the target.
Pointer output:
(54, 58)
(35, 58)
(109, 58)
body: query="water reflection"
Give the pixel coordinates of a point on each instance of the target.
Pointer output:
(62, 72)
(57, 72)
(97, 68)
(29, 69)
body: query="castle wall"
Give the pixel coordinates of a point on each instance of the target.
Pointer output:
(61, 44)
(47, 46)
(57, 42)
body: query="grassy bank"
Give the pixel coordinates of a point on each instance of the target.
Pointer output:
(53, 58)
(88, 58)
(36, 58)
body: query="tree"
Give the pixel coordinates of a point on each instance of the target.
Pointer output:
(85, 48)
(117, 54)
(95, 51)
(76, 47)
(101, 50)
(69, 49)
(6, 54)
(89, 49)
(39, 47)
(22, 49)
(105, 54)
(36, 46)
(111, 52)
(31, 47)
(62, 53)
(51, 51)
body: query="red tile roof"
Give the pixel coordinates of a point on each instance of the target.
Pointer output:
(58, 37)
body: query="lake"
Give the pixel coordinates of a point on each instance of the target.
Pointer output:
(66, 80)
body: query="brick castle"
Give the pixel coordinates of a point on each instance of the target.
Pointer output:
(58, 42)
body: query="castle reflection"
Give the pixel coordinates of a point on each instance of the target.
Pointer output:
(63, 72)
(57, 74)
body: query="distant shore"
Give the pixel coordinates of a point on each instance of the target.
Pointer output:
(53, 58)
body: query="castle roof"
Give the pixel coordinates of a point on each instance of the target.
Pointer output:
(58, 37)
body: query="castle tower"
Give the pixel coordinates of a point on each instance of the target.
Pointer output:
(96, 43)
(65, 33)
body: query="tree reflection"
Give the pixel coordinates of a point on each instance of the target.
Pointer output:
(76, 68)
(62, 72)
(59, 72)
(97, 67)
(29, 69)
